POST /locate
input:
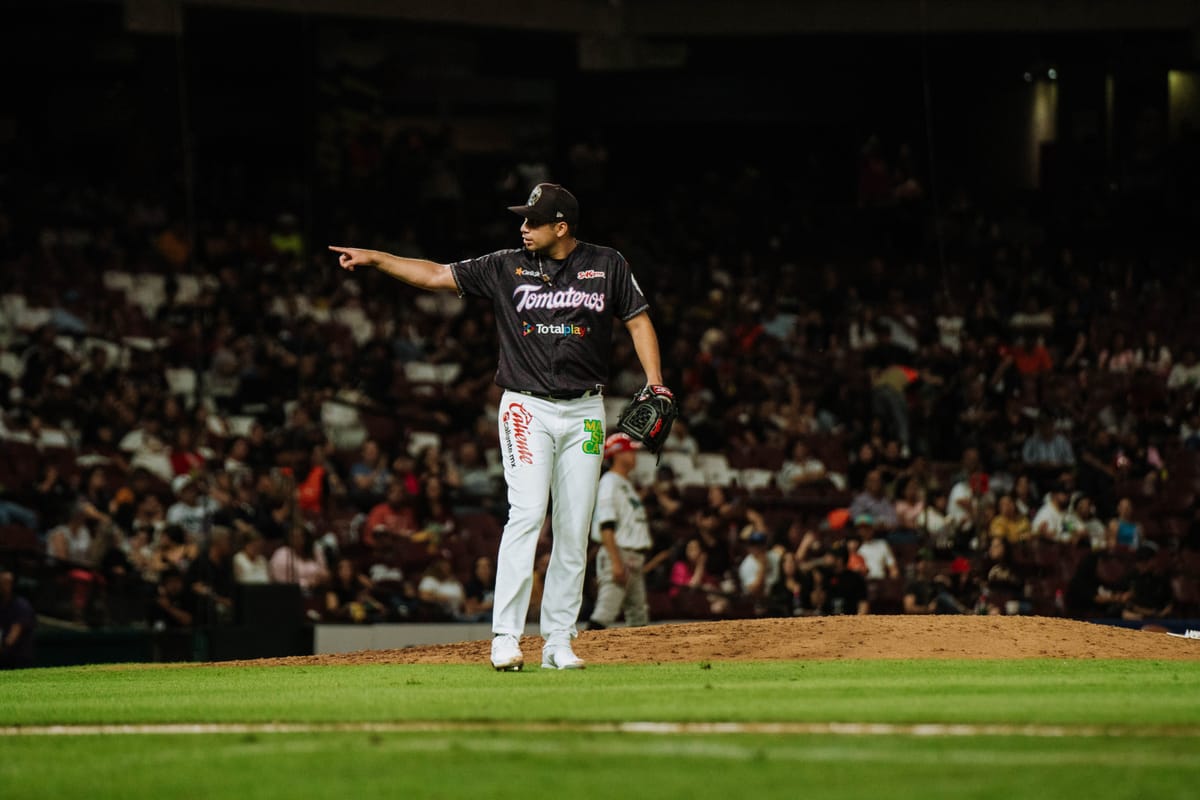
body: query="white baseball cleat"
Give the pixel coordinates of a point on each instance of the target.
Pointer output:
(506, 653)
(561, 656)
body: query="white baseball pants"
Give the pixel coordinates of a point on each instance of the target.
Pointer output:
(550, 449)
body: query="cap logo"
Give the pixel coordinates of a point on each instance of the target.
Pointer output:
(534, 196)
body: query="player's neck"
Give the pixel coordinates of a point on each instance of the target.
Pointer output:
(562, 248)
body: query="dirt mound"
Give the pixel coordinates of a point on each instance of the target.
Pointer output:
(815, 638)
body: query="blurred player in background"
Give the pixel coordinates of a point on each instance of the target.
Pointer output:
(619, 526)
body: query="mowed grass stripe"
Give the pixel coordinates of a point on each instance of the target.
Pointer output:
(1047, 692)
(642, 727)
(1003, 752)
(588, 765)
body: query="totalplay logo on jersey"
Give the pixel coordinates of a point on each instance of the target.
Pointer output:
(555, 330)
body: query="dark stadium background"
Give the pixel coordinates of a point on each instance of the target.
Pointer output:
(729, 128)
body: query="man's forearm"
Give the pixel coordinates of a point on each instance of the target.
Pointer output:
(645, 343)
(608, 537)
(415, 271)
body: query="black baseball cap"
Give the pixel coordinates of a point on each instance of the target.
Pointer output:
(549, 202)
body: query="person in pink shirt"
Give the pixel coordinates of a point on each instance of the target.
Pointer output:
(300, 561)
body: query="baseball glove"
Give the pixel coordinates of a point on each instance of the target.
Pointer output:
(649, 416)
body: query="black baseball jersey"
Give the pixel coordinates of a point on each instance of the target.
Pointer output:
(555, 318)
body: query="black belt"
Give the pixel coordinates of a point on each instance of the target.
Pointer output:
(561, 395)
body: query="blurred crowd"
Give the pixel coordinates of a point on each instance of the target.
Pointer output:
(887, 407)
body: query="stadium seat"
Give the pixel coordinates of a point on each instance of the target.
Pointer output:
(10, 365)
(755, 478)
(715, 468)
(645, 468)
(420, 440)
(181, 382)
(18, 538)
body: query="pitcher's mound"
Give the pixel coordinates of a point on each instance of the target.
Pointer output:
(817, 638)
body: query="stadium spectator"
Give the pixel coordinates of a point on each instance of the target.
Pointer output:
(173, 550)
(965, 504)
(875, 551)
(173, 603)
(1004, 584)
(349, 597)
(396, 516)
(964, 585)
(1153, 356)
(211, 579)
(801, 468)
(910, 506)
(72, 541)
(479, 591)
(1047, 453)
(1009, 524)
(249, 563)
(681, 439)
(1025, 495)
(1092, 594)
(1050, 521)
(185, 458)
(442, 591)
(874, 503)
(193, 508)
(17, 624)
(369, 477)
(934, 525)
(690, 576)
(1118, 357)
(758, 571)
(301, 560)
(1123, 529)
(791, 596)
(842, 590)
(1185, 375)
(1083, 524)
(1150, 595)
(927, 593)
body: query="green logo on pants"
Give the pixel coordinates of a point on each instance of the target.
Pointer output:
(595, 445)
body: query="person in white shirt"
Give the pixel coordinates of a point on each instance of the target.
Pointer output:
(681, 440)
(759, 571)
(619, 526)
(801, 469)
(1082, 523)
(249, 563)
(1185, 374)
(965, 499)
(193, 508)
(440, 588)
(1048, 522)
(876, 552)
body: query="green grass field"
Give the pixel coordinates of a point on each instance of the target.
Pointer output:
(1062, 729)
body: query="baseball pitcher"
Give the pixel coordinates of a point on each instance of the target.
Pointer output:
(555, 301)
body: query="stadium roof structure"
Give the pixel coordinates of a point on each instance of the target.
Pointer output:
(640, 18)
